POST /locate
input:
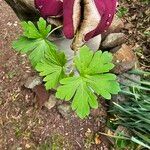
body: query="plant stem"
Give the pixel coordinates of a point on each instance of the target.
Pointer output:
(54, 30)
(73, 64)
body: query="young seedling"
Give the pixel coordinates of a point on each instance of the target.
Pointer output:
(92, 69)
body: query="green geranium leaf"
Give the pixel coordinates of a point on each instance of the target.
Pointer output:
(34, 42)
(33, 32)
(52, 69)
(83, 96)
(52, 73)
(92, 78)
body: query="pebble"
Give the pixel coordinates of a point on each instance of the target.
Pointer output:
(9, 24)
(65, 110)
(51, 102)
(33, 81)
(113, 40)
(116, 26)
(124, 59)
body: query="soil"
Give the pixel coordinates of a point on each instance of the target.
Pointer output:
(23, 126)
(137, 27)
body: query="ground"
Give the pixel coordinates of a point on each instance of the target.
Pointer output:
(22, 125)
(137, 27)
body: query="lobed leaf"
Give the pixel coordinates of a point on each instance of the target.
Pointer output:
(34, 42)
(43, 28)
(36, 49)
(93, 63)
(92, 68)
(83, 96)
(52, 73)
(30, 31)
(43, 54)
(33, 32)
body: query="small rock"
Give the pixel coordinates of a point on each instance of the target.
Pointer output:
(9, 24)
(113, 40)
(41, 95)
(114, 50)
(54, 21)
(124, 59)
(121, 129)
(116, 26)
(31, 82)
(128, 79)
(120, 98)
(27, 146)
(51, 102)
(65, 110)
(95, 42)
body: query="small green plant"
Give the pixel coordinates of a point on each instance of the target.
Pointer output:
(55, 142)
(134, 114)
(145, 1)
(147, 33)
(91, 68)
(122, 11)
(121, 142)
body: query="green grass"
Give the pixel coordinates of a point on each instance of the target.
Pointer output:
(56, 142)
(122, 11)
(134, 114)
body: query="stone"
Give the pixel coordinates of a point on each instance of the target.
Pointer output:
(124, 59)
(94, 43)
(65, 110)
(41, 95)
(121, 129)
(114, 50)
(54, 21)
(31, 82)
(51, 102)
(128, 79)
(119, 98)
(113, 40)
(116, 26)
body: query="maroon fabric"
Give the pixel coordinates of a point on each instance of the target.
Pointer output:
(49, 8)
(68, 27)
(106, 9)
(107, 17)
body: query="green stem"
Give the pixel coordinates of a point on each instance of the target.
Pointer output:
(54, 30)
(74, 68)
